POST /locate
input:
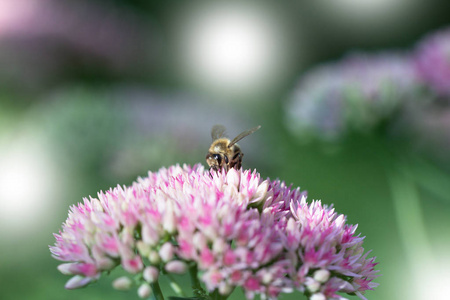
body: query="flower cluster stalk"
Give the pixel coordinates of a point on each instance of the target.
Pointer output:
(157, 293)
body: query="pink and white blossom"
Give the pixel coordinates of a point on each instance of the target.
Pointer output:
(235, 228)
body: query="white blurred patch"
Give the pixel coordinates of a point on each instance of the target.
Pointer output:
(378, 17)
(28, 183)
(372, 9)
(367, 6)
(233, 48)
(424, 276)
(430, 280)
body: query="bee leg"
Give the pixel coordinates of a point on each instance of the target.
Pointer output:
(241, 155)
(237, 161)
(212, 169)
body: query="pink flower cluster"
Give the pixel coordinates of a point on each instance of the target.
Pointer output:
(433, 61)
(235, 228)
(355, 94)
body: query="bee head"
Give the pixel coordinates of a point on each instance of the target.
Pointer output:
(216, 160)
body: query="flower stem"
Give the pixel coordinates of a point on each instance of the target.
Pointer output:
(409, 215)
(431, 178)
(215, 295)
(195, 283)
(157, 293)
(197, 287)
(406, 200)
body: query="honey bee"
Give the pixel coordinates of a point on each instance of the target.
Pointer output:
(224, 153)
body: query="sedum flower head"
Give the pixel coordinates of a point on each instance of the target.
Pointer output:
(433, 61)
(234, 227)
(354, 94)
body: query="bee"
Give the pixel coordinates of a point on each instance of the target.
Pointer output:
(224, 153)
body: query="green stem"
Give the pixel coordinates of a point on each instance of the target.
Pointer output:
(409, 215)
(215, 295)
(157, 293)
(197, 288)
(431, 178)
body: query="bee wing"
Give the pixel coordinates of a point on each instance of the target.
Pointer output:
(217, 131)
(243, 135)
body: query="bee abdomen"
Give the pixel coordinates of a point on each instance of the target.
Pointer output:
(236, 161)
(236, 155)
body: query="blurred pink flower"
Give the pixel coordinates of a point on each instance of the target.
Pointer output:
(355, 94)
(42, 40)
(237, 229)
(433, 61)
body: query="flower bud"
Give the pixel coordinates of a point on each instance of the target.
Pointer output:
(102, 261)
(65, 268)
(127, 236)
(219, 246)
(144, 291)
(132, 265)
(312, 285)
(149, 235)
(322, 275)
(143, 248)
(318, 296)
(166, 251)
(267, 277)
(225, 289)
(154, 258)
(84, 269)
(150, 274)
(199, 240)
(176, 266)
(122, 283)
(77, 282)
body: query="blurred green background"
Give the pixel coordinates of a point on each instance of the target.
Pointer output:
(96, 93)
